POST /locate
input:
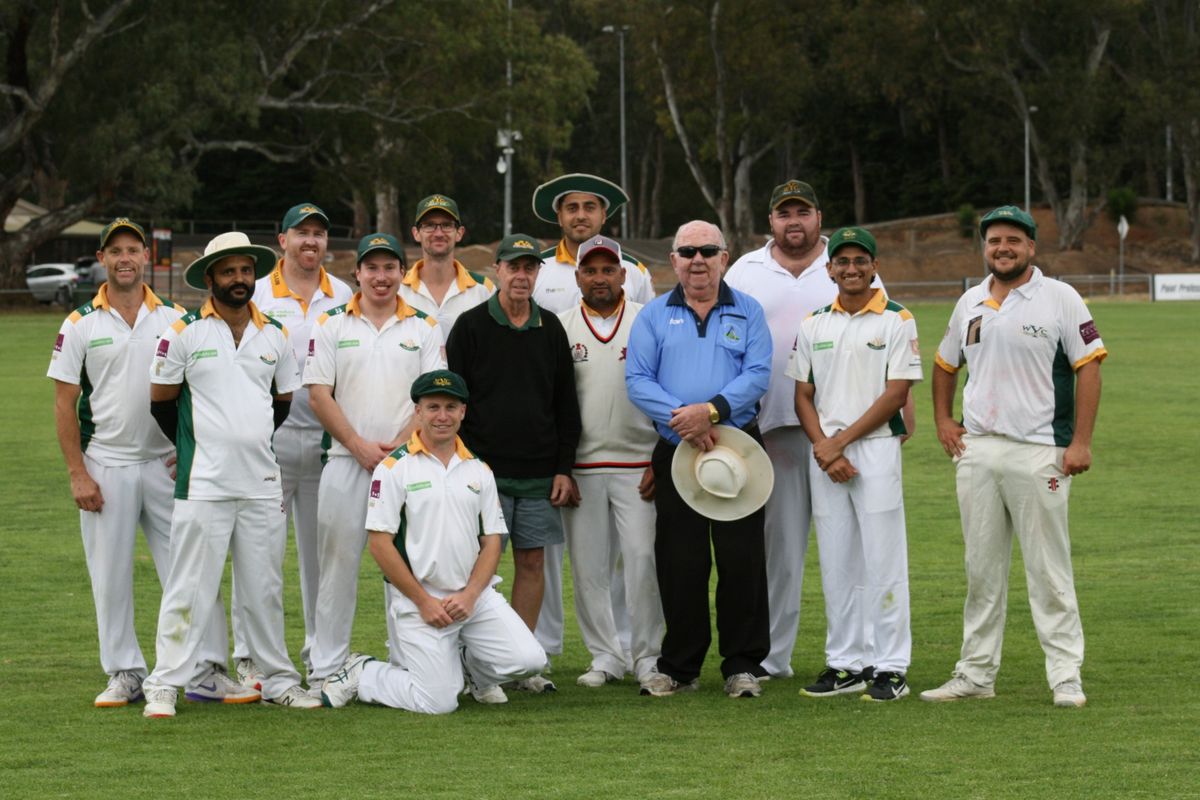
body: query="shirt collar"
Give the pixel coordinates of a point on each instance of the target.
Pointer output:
(403, 309)
(724, 295)
(149, 298)
(876, 305)
(415, 446)
(279, 287)
(461, 276)
(497, 312)
(591, 312)
(983, 292)
(561, 253)
(256, 316)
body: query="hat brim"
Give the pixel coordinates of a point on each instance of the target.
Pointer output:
(545, 196)
(760, 477)
(113, 231)
(264, 262)
(379, 248)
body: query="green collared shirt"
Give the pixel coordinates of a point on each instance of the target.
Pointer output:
(497, 312)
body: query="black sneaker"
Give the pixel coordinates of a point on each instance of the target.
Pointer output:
(838, 681)
(886, 686)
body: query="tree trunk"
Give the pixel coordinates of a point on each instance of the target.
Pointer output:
(860, 192)
(1188, 156)
(1073, 222)
(361, 211)
(17, 247)
(742, 238)
(387, 207)
(943, 152)
(660, 172)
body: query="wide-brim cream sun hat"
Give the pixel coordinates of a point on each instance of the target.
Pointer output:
(230, 243)
(731, 481)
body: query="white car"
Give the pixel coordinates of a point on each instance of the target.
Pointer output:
(52, 283)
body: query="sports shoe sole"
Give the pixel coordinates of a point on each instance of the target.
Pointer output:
(869, 699)
(981, 696)
(118, 703)
(857, 688)
(229, 701)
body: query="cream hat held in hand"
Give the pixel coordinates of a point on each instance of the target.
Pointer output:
(731, 481)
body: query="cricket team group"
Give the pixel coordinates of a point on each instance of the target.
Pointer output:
(435, 418)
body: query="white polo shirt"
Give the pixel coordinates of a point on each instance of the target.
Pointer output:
(437, 512)
(786, 300)
(372, 369)
(849, 358)
(110, 362)
(468, 290)
(226, 418)
(616, 436)
(297, 314)
(556, 289)
(1022, 357)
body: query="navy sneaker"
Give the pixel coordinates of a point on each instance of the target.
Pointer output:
(886, 686)
(833, 682)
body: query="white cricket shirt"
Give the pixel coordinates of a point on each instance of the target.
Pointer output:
(556, 289)
(226, 418)
(1022, 358)
(848, 358)
(468, 290)
(372, 369)
(110, 362)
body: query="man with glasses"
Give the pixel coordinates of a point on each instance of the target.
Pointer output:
(524, 419)
(438, 284)
(296, 292)
(699, 358)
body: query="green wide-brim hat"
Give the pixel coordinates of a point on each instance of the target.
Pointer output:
(844, 236)
(546, 196)
(230, 243)
(1013, 216)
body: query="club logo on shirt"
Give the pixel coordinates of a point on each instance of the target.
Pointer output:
(1088, 332)
(376, 485)
(410, 346)
(731, 334)
(268, 359)
(1036, 331)
(58, 343)
(579, 352)
(473, 487)
(877, 344)
(622, 356)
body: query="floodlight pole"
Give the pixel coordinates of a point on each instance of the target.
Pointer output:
(620, 32)
(1028, 111)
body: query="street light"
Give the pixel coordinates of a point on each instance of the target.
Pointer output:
(1030, 110)
(620, 32)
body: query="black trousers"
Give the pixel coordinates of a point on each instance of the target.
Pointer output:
(685, 557)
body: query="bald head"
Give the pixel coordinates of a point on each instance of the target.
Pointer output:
(699, 257)
(706, 229)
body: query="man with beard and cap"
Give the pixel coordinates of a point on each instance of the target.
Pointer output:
(362, 358)
(220, 384)
(1029, 409)
(524, 419)
(438, 284)
(120, 463)
(294, 294)
(788, 276)
(615, 515)
(579, 204)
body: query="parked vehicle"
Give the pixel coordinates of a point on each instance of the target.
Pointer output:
(90, 270)
(52, 283)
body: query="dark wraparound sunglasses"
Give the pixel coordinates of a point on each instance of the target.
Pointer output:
(707, 250)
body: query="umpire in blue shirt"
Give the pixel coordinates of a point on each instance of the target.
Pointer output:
(700, 358)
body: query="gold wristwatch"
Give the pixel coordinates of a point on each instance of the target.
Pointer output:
(714, 416)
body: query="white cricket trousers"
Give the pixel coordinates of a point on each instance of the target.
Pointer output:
(864, 559)
(341, 537)
(550, 623)
(499, 648)
(203, 533)
(1007, 487)
(613, 516)
(788, 518)
(298, 451)
(134, 494)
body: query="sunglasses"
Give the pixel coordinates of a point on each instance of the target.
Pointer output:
(707, 250)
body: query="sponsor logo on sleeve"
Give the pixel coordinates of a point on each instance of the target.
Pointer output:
(163, 346)
(1088, 332)
(312, 347)
(915, 346)
(376, 485)
(58, 343)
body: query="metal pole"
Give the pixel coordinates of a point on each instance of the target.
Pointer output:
(1026, 160)
(508, 149)
(624, 169)
(1170, 182)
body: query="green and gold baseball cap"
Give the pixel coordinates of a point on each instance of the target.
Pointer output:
(518, 245)
(379, 241)
(437, 202)
(1013, 216)
(119, 224)
(793, 190)
(439, 381)
(297, 214)
(859, 236)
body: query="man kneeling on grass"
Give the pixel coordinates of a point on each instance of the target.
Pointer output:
(434, 525)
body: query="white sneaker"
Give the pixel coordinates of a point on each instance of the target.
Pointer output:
(743, 684)
(595, 678)
(534, 683)
(660, 684)
(160, 702)
(487, 695)
(342, 686)
(1069, 694)
(123, 688)
(959, 687)
(294, 697)
(249, 674)
(215, 686)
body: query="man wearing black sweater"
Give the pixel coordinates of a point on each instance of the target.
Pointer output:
(523, 420)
